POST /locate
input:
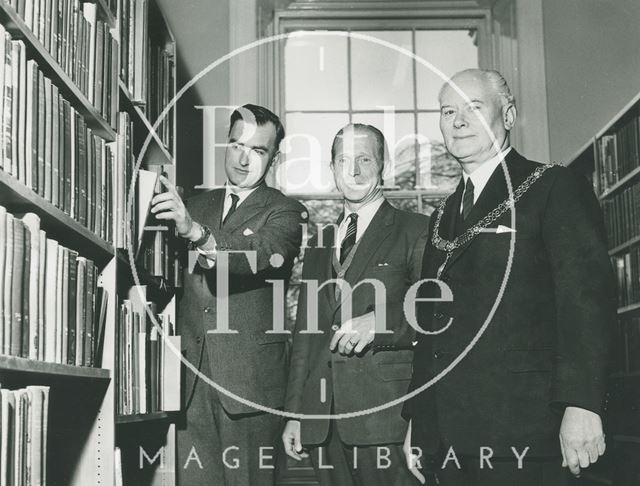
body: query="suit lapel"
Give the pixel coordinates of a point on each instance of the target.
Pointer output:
(326, 266)
(213, 214)
(450, 214)
(256, 200)
(377, 231)
(492, 195)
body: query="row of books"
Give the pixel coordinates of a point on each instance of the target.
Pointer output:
(51, 307)
(142, 54)
(618, 153)
(48, 147)
(627, 267)
(80, 43)
(626, 345)
(23, 436)
(147, 357)
(622, 215)
(158, 256)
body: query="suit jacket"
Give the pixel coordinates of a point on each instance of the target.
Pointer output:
(251, 363)
(390, 250)
(547, 343)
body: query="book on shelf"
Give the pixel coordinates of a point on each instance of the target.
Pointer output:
(50, 305)
(142, 52)
(82, 44)
(622, 215)
(48, 147)
(23, 440)
(627, 266)
(618, 152)
(147, 357)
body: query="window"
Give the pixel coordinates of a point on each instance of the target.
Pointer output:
(364, 71)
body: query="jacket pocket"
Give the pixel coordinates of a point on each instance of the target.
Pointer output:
(394, 371)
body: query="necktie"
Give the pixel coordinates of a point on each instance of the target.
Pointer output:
(349, 238)
(467, 199)
(234, 204)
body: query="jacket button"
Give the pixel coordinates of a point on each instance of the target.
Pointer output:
(436, 355)
(207, 310)
(198, 340)
(335, 327)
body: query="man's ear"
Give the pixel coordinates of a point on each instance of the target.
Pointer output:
(509, 115)
(275, 160)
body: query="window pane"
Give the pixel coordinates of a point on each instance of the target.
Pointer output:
(429, 126)
(429, 205)
(305, 166)
(399, 133)
(381, 76)
(449, 51)
(316, 73)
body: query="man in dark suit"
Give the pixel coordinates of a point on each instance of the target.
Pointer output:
(533, 303)
(226, 441)
(344, 365)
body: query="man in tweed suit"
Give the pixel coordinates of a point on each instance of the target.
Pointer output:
(225, 441)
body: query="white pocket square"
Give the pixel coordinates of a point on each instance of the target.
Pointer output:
(247, 232)
(383, 264)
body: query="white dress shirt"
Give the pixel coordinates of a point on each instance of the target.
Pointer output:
(482, 174)
(365, 215)
(207, 258)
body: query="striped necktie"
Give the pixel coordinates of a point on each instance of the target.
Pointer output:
(349, 238)
(467, 199)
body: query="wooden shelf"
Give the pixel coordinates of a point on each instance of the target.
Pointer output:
(629, 309)
(15, 364)
(625, 374)
(156, 152)
(19, 30)
(104, 12)
(142, 417)
(16, 197)
(624, 246)
(621, 183)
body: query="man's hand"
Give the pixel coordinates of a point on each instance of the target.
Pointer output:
(169, 206)
(291, 440)
(354, 335)
(413, 459)
(581, 439)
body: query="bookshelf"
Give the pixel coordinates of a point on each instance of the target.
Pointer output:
(611, 161)
(14, 24)
(89, 440)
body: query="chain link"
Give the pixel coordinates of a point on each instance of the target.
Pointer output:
(492, 216)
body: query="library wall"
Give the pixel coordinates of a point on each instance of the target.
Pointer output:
(199, 43)
(586, 82)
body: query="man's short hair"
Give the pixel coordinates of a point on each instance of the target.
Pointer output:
(381, 143)
(262, 116)
(493, 78)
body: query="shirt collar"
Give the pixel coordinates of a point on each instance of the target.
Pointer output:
(366, 212)
(481, 175)
(242, 192)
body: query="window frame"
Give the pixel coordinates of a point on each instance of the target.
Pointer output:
(358, 19)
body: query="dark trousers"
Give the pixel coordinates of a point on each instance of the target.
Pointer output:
(338, 464)
(219, 449)
(505, 472)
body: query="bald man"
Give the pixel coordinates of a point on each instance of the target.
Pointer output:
(527, 397)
